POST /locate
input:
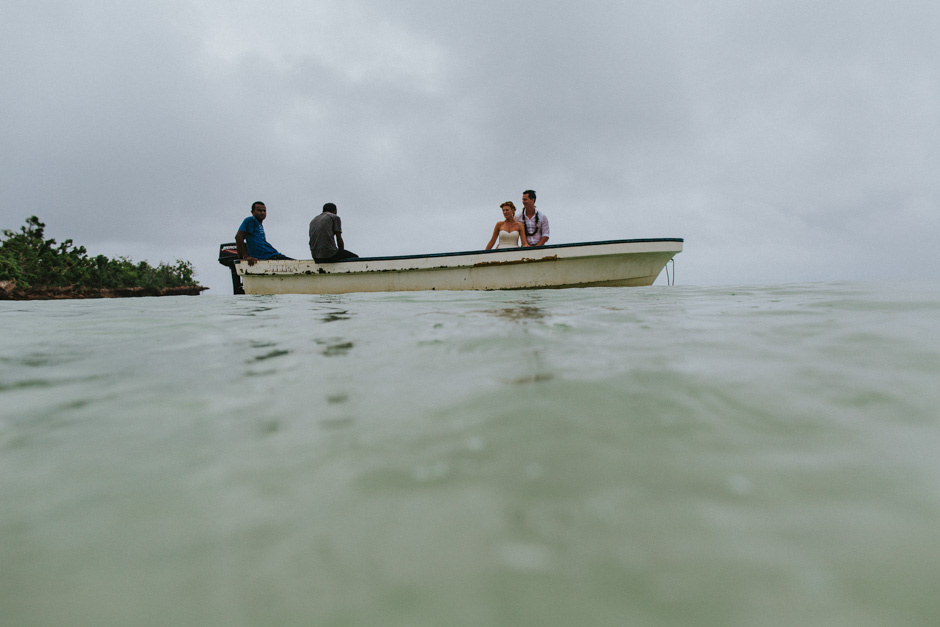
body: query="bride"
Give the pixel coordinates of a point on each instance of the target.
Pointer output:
(509, 231)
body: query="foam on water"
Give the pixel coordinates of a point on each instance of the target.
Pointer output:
(657, 456)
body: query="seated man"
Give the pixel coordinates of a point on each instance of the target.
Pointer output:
(323, 229)
(250, 240)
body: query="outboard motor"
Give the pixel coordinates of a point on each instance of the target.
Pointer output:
(228, 256)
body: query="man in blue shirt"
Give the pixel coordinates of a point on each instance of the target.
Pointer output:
(250, 239)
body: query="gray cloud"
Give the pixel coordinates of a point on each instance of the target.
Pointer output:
(785, 141)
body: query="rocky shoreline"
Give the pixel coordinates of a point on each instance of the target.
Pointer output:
(9, 291)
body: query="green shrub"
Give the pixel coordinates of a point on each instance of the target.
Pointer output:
(33, 261)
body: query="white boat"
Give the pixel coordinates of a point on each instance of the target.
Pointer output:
(615, 263)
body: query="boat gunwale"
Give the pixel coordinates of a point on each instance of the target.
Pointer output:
(464, 253)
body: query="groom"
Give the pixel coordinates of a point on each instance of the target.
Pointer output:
(535, 222)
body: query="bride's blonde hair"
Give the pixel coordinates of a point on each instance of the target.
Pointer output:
(509, 204)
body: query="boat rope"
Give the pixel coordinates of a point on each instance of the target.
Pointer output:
(671, 281)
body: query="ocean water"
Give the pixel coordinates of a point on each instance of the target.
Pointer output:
(749, 455)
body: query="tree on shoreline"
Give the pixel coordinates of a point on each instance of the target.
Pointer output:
(33, 262)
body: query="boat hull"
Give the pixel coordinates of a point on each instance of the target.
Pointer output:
(620, 263)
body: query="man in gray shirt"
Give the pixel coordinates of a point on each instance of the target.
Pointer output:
(323, 229)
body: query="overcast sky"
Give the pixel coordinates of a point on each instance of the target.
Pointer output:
(786, 141)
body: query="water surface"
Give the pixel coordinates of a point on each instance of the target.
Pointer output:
(754, 455)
